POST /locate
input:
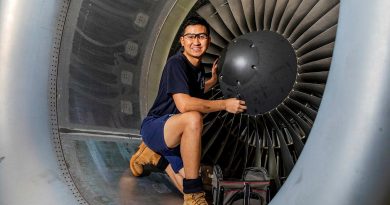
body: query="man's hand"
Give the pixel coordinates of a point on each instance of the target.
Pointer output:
(214, 70)
(214, 77)
(233, 105)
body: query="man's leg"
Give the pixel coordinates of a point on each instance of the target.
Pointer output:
(152, 131)
(144, 155)
(176, 178)
(186, 129)
(140, 158)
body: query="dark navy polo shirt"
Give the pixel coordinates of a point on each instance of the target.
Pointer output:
(179, 76)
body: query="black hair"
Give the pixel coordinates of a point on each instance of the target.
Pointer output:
(195, 20)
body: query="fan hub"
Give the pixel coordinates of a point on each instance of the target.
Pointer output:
(260, 68)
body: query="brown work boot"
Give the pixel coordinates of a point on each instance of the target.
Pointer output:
(143, 156)
(195, 199)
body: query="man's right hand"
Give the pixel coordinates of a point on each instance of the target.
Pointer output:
(234, 105)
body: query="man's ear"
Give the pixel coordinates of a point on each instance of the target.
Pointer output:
(181, 40)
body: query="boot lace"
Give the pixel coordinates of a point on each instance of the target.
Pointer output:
(199, 198)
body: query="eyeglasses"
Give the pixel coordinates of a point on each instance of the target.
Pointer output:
(193, 36)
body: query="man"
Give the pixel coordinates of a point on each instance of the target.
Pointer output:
(173, 126)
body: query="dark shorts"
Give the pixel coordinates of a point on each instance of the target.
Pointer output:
(152, 131)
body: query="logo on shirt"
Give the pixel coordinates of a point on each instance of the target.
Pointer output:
(202, 83)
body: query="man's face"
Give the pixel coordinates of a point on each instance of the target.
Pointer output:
(195, 41)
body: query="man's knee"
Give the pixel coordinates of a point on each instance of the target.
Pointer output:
(194, 119)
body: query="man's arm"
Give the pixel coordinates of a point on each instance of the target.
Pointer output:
(186, 103)
(209, 84)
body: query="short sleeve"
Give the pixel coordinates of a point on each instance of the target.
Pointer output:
(177, 79)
